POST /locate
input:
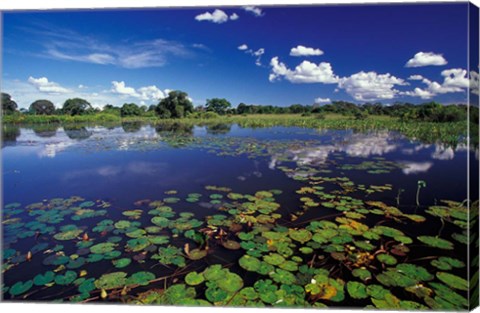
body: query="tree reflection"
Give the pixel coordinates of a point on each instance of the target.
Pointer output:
(45, 130)
(10, 134)
(77, 132)
(218, 129)
(131, 127)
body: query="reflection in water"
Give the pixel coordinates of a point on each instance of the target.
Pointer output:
(416, 167)
(355, 145)
(45, 130)
(131, 127)
(77, 132)
(174, 129)
(10, 133)
(218, 129)
(133, 168)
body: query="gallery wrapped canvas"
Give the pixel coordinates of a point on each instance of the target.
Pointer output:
(301, 156)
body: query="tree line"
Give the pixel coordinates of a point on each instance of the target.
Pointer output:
(178, 105)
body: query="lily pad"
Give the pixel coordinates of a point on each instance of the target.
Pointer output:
(249, 263)
(20, 287)
(43, 279)
(194, 278)
(357, 290)
(436, 242)
(111, 280)
(453, 281)
(121, 263)
(66, 279)
(140, 278)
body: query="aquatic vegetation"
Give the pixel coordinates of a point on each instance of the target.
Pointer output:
(339, 240)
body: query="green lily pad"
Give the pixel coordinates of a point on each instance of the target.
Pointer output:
(111, 280)
(20, 287)
(121, 263)
(361, 273)
(231, 282)
(274, 259)
(137, 244)
(386, 259)
(66, 279)
(43, 279)
(357, 290)
(416, 272)
(102, 248)
(231, 245)
(300, 235)
(249, 263)
(68, 235)
(214, 272)
(436, 242)
(140, 278)
(283, 277)
(194, 278)
(197, 254)
(87, 286)
(453, 281)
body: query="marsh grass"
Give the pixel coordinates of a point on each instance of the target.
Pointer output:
(451, 133)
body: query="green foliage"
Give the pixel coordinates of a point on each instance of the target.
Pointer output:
(130, 109)
(8, 105)
(42, 107)
(217, 105)
(176, 105)
(76, 106)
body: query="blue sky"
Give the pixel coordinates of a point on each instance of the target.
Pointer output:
(256, 55)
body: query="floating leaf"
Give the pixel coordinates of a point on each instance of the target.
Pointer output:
(453, 280)
(43, 279)
(194, 278)
(102, 248)
(66, 279)
(386, 259)
(231, 245)
(68, 235)
(111, 280)
(436, 242)
(249, 263)
(197, 254)
(357, 290)
(231, 282)
(121, 263)
(140, 278)
(20, 287)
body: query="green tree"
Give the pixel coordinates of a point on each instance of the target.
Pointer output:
(130, 109)
(76, 106)
(176, 105)
(42, 107)
(8, 105)
(217, 105)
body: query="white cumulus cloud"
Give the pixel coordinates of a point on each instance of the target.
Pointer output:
(234, 17)
(426, 59)
(369, 86)
(304, 51)
(122, 89)
(217, 16)
(254, 10)
(243, 47)
(44, 85)
(147, 93)
(322, 100)
(151, 93)
(454, 80)
(305, 72)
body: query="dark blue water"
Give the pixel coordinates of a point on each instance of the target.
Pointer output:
(124, 164)
(123, 167)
